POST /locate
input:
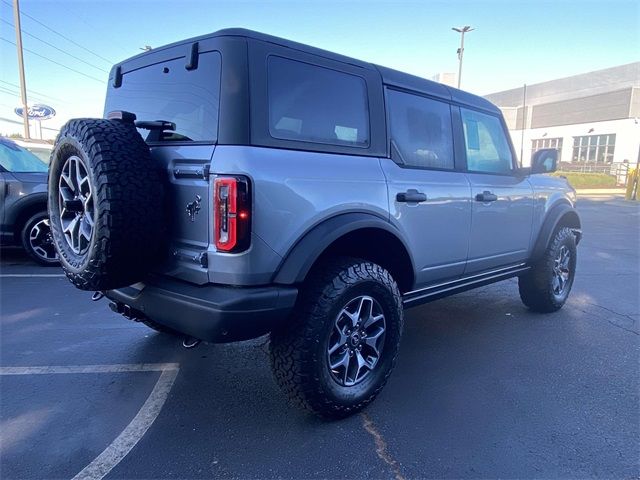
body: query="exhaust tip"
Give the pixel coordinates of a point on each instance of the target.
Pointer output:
(190, 342)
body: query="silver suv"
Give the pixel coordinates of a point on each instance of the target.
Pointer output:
(243, 184)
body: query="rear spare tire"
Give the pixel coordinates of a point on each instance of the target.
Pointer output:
(105, 204)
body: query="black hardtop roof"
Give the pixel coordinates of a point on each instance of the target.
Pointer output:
(389, 76)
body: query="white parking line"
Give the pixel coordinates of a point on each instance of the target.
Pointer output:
(116, 368)
(31, 275)
(131, 435)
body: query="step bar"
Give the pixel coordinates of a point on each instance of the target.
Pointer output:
(441, 290)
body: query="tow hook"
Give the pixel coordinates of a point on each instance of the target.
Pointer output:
(190, 342)
(97, 296)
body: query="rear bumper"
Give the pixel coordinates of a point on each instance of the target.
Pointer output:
(212, 313)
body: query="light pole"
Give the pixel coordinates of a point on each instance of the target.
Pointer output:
(461, 31)
(23, 86)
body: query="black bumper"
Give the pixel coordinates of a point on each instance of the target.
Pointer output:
(212, 313)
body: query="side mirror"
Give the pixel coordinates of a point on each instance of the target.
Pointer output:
(544, 161)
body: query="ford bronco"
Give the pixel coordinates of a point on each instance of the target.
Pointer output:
(242, 184)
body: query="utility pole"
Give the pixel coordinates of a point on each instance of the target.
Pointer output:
(23, 85)
(524, 121)
(461, 31)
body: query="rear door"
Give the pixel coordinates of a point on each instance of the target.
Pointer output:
(429, 198)
(502, 199)
(189, 97)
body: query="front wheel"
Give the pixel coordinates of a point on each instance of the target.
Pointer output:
(545, 288)
(338, 350)
(37, 240)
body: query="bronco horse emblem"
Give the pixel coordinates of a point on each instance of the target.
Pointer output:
(193, 208)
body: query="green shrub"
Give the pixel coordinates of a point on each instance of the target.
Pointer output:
(588, 180)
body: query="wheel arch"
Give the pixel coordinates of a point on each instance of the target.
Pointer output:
(360, 235)
(561, 215)
(24, 209)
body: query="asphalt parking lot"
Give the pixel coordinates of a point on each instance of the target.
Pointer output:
(483, 388)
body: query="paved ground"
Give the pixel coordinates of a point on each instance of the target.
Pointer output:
(483, 388)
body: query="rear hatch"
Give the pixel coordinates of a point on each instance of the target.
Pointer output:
(169, 86)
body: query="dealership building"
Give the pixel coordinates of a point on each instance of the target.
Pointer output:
(592, 119)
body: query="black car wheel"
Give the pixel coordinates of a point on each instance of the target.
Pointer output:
(338, 349)
(37, 240)
(545, 288)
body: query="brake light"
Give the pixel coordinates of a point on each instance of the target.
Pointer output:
(232, 214)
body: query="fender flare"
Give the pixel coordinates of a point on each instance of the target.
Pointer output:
(557, 214)
(27, 202)
(301, 257)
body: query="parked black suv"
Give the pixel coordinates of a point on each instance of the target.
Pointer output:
(23, 206)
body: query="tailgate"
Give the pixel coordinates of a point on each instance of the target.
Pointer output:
(187, 206)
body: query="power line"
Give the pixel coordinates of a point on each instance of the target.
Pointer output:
(105, 31)
(53, 61)
(44, 95)
(59, 49)
(6, 91)
(16, 93)
(60, 35)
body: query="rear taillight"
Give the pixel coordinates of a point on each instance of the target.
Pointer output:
(232, 214)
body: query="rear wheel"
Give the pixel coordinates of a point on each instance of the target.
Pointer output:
(545, 288)
(341, 344)
(37, 241)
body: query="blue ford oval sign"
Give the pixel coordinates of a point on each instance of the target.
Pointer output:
(37, 112)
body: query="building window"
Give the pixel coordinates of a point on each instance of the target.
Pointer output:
(541, 143)
(594, 148)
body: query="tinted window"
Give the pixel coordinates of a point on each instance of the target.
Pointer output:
(168, 91)
(420, 131)
(486, 143)
(315, 104)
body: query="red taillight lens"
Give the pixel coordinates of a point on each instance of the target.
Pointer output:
(232, 212)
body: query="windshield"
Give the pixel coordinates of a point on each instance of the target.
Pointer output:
(42, 153)
(16, 159)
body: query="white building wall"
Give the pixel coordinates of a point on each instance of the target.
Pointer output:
(627, 132)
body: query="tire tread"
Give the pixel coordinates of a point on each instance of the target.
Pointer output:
(293, 358)
(128, 194)
(534, 287)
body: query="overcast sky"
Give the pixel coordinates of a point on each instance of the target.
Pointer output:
(515, 42)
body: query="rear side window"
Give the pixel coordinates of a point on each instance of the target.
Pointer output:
(316, 104)
(168, 91)
(421, 133)
(486, 143)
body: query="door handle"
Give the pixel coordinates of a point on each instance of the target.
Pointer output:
(411, 196)
(486, 196)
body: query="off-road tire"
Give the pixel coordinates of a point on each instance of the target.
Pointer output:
(298, 349)
(536, 286)
(127, 234)
(25, 232)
